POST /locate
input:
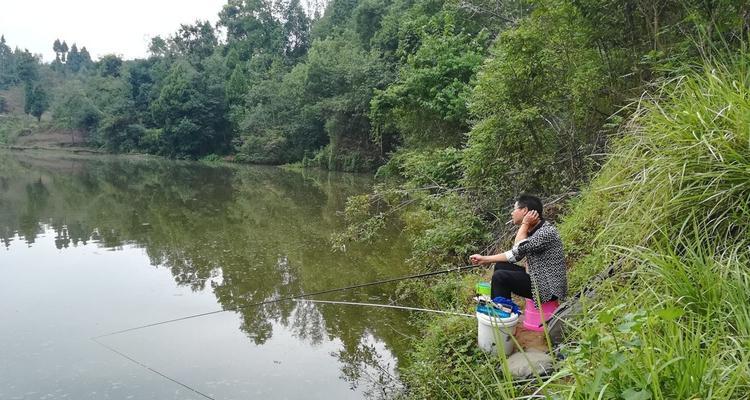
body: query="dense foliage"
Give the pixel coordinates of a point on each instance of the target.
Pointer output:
(463, 104)
(274, 83)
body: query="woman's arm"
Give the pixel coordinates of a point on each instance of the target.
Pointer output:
(478, 259)
(529, 220)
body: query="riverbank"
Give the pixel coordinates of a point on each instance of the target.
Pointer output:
(669, 213)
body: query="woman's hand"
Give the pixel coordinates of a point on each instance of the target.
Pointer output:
(477, 259)
(531, 218)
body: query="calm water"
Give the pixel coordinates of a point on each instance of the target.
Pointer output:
(96, 245)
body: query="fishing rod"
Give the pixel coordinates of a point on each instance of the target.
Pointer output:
(349, 303)
(295, 298)
(287, 298)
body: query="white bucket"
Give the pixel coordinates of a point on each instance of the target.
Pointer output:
(494, 332)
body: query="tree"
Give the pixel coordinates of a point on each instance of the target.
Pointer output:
(195, 42)
(142, 82)
(192, 114)
(237, 86)
(158, 47)
(8, 72)
(37, 100)
(73, 109)
(252, 27)
(296, 30)
(27, 66)
(428, 102)
(85, 59)
(339, 84)
(57, 47)
(74, 59)
(64, 51)
(110, 65)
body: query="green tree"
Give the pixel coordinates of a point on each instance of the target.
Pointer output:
(233, 59)
(194, 42)
(535, 108)
(143, 85)
(237, 86)
(336, 19)
(113, 112)
(37, 100)
(85, 59)
(8, 72)
(192, 113)
(252, 27)
(57, 46)
(63, 51)
(280, 123)
(296, 30)
(158, 47)
(110, 65)
(428, 102)
(27, 66)
(74, 59)
(341, 78)
(74, 109)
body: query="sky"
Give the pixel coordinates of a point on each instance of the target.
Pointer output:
(122, 27)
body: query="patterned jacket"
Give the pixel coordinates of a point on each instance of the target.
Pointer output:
(543, 250)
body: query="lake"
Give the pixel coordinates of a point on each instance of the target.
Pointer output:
(94, 245)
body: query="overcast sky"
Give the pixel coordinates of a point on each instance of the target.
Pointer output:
(121, 27)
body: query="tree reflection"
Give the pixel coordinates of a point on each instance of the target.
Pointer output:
(248, 234)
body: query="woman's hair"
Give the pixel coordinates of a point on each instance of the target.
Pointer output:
(531, 203)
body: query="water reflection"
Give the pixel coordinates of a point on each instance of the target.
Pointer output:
(244, 234)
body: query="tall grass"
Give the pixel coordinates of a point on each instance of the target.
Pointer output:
(673, 204)
(683, 161)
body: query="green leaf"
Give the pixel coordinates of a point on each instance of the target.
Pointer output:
(636, 394)
(606, 317)
(670, 313)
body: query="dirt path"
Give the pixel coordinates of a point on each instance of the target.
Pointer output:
(51, 138)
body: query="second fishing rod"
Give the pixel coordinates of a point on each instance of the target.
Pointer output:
(287, 298)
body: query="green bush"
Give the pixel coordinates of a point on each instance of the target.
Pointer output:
(73, 109)
(425, 168)
(12, 126)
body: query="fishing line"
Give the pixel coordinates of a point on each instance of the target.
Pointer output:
(299, 296)
(349, 303)
(296, 298)
(133, 360)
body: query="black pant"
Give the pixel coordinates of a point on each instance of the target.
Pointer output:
(509, 278)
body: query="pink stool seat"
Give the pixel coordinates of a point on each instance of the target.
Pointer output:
(533, 317)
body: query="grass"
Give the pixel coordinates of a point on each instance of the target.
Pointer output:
(672, 208)
(672, 203)
(12, 126)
